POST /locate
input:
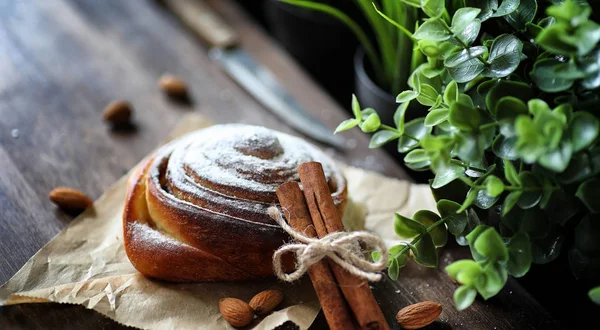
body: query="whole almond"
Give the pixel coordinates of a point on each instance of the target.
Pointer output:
(173, 86)
(118, 112)
(71, 199)
(266, 301)
(418, 315)
(238, 313)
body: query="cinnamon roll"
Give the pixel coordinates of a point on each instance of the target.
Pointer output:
(196, 209)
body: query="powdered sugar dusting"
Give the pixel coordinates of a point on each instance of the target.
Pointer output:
(147, 234)
(251, 157)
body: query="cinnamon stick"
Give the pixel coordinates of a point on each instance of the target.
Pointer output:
(332, 302)
(326, 220)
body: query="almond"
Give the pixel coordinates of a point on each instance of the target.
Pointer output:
(118, 112)
(71, 199)
(418, 315)
(266, 301)
(238, 313)
(173, 86)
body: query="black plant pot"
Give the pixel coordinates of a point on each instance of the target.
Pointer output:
(370, 95)
(320, 43)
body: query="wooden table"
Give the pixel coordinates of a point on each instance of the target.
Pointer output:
(61, 62)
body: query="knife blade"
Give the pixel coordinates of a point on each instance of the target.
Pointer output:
(255, 78)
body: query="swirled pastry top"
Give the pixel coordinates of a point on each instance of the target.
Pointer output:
(207, 194)
(235, 169)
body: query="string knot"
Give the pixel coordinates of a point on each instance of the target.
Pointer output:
(341, 247)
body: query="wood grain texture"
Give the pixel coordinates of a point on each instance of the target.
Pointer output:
(61, 62)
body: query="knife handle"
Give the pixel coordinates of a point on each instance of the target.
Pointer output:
(205, 22)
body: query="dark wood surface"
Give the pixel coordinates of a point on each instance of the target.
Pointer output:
(61, 62)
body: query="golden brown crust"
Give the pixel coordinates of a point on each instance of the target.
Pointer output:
(181, 224)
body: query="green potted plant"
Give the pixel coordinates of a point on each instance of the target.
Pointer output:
(511, 134)
(386, 59)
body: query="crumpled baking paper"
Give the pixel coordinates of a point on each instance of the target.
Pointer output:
(86, 263)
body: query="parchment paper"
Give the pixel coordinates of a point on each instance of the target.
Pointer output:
(86, 263)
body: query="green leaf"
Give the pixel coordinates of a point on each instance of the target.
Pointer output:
(469, 34)
(519, 255)
(504, 147)
(346, 125)
(510, 107)
(433, 8)
(484, 200)
(559, 159)
(581, 167)
(505, 56)
(425, 253)
(583, 130)
(510, 201)
(510, 173)
(393, 269)
(399, 115)
(545, 77)
(493, 280)
(587, 35)
(432, 30)
(573, 12)
(416, 129)
(371, 123)
(550, 39)
(464, 271)
(464, 117)
(489, 244)
(504, 88)
(446, 175)
(470, 146)
(406, 96)
(382, 137)
(461, 56)
(494, 186)
(436, 117)
(456, 222)
(464, 296)
(416, 156)
(451, 93)
(588, 193)
(524, 14)
(428, 95)
(439, 235)
(407, 228)
(430, 48)
(466, 71)
(400, 254)
(356, 108)
(506, 7)
(462, 18)
(468, 200)
(530, 197)
(594, 295)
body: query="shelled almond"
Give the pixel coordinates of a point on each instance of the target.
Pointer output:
(70, 199)
(236, 312)
(118, 112)
(266, 301)
(418, 315)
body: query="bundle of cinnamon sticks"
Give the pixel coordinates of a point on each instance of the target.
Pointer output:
(347, 301)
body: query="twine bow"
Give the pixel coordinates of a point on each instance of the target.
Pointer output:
(341, 247)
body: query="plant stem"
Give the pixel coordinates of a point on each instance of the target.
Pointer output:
(459, 163)
(420, 236)
(488, 125)
(393, 129)
(462, 43)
